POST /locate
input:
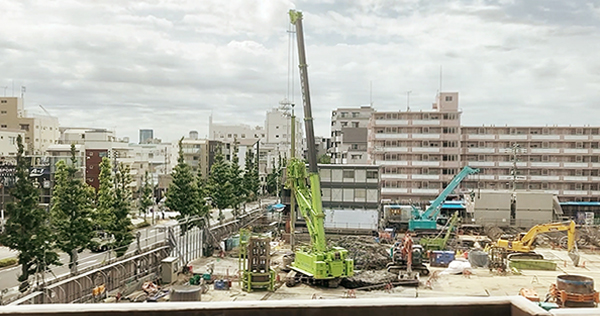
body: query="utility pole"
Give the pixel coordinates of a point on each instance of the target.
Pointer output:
(292, 196)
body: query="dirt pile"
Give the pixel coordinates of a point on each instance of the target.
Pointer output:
(367, 254)
(368, 278)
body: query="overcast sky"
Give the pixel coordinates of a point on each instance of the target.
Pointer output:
(168, 64)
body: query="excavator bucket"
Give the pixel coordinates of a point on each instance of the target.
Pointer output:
(574, 255)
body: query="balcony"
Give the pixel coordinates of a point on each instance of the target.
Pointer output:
(426, 163)
(392, 149)
(575, 164)
(426, 136)
(481, 136)
(393, 176)
(483, 177)
(575, 137)
(391, 136)
(391, 163)
(482, 150)
(545, 178)
(575, 192)
(510, 164)
(522, 136)
(426, 191)
(393, 190)
(425, 177)
(545, 137)
(544, 150)
(422, 122)
(575, 150)
(425, 149)
(575, 178)
(391, 122)
(546, 164)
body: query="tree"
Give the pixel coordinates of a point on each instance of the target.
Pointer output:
(27, 229)
(324, 159)
(235, 178)
(120, 227)
(274, 178)
(146, 196)
(250, 179)
(183, 194)
(105, 198)
(219, 185)
(203, 194)
(71, 213)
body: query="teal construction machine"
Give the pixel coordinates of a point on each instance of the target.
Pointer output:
(315, 263)
(428, 220)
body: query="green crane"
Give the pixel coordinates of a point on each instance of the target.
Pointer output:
(315, 263)
(438, 242)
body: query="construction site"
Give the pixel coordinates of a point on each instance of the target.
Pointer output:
(523, 250)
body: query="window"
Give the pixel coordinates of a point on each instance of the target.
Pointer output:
(355, 114)
(448, 98)
(4, 101)
(3, 112)
(12, 140)
(277, 127)
(228, 135)
(354, 124)
(276, 136)
(243, 135)
(354, 146)
(348, 174)
(24, 127)
(196, 157)
(372, 174)
(150, 155)
(356, 156)
(344, 123)
(3, 126)
(344, 114)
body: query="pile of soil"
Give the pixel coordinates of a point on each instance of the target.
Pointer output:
(367, 254)
(368, 278)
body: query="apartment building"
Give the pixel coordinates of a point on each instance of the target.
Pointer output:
(40, 131)
(199, 153)
(563, 160)
(349, 135)
(419, 151)
(8, 142)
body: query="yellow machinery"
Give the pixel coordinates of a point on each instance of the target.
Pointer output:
(524, 241)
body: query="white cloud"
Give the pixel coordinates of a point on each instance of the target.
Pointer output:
(168, 64)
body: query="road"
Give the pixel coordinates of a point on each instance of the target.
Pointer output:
(149, 235)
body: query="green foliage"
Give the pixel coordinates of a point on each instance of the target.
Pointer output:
(27, 229)
(71, 213)
(274, 179)
(105, 198)
(219, 184)
(7, 262)
(143, 224)
(183, 195)
(120, 227)
(251, 182)
(236, 180)
(146, 196)
(324, 159)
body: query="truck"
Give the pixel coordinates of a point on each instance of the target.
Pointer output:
(316, 263)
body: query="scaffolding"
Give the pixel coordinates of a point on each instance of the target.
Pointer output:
(255, 262)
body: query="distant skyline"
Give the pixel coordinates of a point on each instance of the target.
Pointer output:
(166, 65)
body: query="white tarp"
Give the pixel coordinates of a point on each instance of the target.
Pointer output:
(457, 266)
(351, 219)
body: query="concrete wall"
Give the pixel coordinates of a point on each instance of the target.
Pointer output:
(447, 306)
(492, 208)
(351, 219)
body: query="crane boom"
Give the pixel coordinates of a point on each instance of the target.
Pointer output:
(427, 219)
(317, 261)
